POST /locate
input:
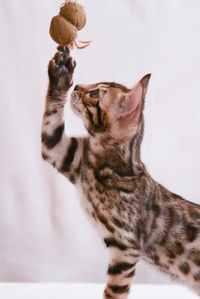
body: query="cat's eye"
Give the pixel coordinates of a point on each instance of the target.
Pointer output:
(94, 93)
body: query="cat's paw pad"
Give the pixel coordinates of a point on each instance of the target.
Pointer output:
(61, 69)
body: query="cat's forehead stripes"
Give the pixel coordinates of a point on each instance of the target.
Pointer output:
(107, 85)
(114, 85)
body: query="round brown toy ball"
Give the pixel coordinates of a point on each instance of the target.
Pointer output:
(74, 13)
(62, 31)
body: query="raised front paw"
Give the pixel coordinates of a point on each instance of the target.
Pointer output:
(60, 70)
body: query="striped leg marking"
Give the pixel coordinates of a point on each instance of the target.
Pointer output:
(120, 277)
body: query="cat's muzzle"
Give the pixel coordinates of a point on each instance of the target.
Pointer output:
(75, 97)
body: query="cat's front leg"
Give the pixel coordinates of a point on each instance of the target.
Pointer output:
(63, 152)
(60, 71)
(121, 271)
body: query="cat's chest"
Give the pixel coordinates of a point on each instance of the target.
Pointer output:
(109, 202)
(95, 197)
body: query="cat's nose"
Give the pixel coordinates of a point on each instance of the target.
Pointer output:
(76, 88)
(79, 87)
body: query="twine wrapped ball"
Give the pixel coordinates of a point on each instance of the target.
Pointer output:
(63, 27)
(62, 31)
(74, 13)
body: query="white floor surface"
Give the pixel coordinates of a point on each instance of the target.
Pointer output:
(88, 291)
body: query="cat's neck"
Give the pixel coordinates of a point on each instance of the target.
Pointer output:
(127, 151)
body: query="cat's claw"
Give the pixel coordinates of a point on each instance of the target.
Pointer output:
(60, 70)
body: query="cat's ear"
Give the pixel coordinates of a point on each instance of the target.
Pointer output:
(133, 102)
(145, 82)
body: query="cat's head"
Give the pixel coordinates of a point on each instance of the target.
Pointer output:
(111, 109)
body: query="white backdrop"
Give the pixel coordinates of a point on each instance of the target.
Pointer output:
(44, 234)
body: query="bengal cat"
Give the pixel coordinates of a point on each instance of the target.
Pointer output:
(136, 217)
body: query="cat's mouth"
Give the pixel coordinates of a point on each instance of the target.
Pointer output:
(75, 98)
(76, 102)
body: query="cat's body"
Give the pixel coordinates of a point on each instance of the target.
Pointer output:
(136, 217)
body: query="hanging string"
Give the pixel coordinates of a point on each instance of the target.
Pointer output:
(85, 43)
